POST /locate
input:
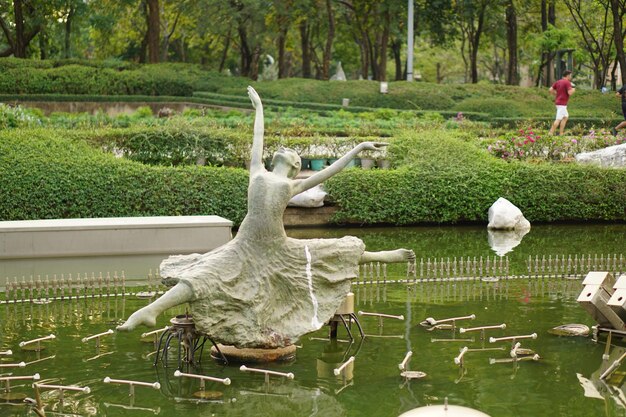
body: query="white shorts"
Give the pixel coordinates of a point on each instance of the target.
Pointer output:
(561, 112)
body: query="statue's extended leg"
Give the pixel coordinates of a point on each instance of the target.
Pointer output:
(178, 294)
(388, 256)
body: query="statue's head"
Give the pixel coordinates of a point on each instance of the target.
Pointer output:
(288, 158)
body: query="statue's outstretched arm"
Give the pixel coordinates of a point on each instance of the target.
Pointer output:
(256, 156)
(336, 167)
(177, 295)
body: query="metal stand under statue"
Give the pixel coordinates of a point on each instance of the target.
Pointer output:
(190, 342)
(264, 290)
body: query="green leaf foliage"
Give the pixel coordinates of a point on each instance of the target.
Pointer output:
(45, 175)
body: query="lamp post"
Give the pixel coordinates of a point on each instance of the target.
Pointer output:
(409, 47)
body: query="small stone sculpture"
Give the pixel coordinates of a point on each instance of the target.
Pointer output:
(263, 289)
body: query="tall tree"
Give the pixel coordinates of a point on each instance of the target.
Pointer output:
(20, 23)
(512, 73)
(592, 18)
(154, 28)
(618, 8)
(471, 19)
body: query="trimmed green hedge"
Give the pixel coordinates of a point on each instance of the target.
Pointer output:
(441, 179)
(544, 193)
(44, 175)
(108, 78)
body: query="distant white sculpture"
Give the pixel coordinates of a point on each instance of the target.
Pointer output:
(611, 157)
(339, 74)
(503, 241)
(313, 197)
(270, 69)
(504, 215)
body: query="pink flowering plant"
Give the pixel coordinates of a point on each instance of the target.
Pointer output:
(526, 144)
(523, 145)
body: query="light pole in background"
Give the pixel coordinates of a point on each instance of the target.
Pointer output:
(409, 44)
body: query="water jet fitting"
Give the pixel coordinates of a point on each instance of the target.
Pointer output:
(459, 359)
(405, 361)
(203, 378)
(131, 384)
(267, 373)
(338, 371)
(513, 338)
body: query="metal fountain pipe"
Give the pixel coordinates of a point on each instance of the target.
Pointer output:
(338, 371)
(96, 336)
(459, 359)
(431, 321)
(500, 339)
(6, 353)
(41, 339)
(474, 329)
(154, 385)
(535, 357)
(13, 365)
(225, 381)
(35, 377)
(41, 360)
(244, 368)
(389, 316)
(513, 352)
(86, 390)
(154, 332)
(407, 357)
(613, 367)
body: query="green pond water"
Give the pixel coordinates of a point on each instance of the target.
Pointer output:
(564, 382)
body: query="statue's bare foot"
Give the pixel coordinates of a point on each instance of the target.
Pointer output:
(142, 316)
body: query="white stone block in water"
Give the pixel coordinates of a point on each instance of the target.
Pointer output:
(504, 215)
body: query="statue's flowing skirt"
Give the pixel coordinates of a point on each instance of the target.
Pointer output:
(266, 294)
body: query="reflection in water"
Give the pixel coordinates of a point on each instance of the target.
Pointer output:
(610, 390)
(503, 241)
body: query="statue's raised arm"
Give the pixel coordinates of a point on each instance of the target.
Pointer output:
(256, 156)
(336, 167)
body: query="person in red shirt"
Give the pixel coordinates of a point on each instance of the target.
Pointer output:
(562, 89)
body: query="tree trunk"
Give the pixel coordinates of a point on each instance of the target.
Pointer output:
(512, 75)
(397, 59)
(254, 63)
(474, 44)
(245, 52)
(382, 65)
(225, 51)
(68, 32)
(329, 41)
(305, 40)
(154, 28)
(617, 34)
(43, 48)
(282, 40)
(19, 50)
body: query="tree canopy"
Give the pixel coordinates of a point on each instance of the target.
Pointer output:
(501, 41)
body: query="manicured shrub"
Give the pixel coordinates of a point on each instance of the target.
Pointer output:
(46, 175)
(440, 181)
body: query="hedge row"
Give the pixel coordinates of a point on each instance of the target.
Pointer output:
(442, 179)
(45, 175)
(175, 79)
(83, 77)
(544, 193)
(54, 174)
